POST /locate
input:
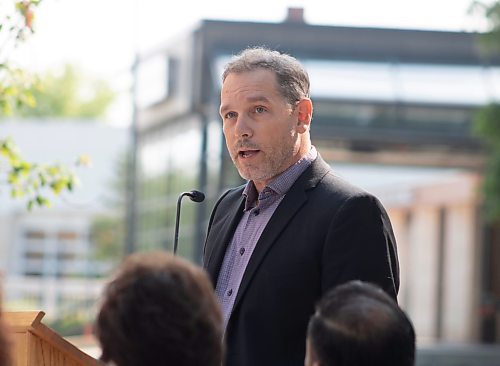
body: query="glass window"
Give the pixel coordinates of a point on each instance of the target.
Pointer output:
(398, 82)
(351, 80)
(152, 81)
(169, 163)
(442, 84)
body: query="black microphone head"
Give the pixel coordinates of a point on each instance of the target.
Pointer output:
(196, 196)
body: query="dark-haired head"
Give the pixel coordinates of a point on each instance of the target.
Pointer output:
(358, 324)
(160, 310)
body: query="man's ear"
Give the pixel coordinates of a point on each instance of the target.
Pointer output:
(304, 114)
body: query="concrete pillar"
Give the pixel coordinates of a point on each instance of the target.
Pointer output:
(459, 277)
(422, 271)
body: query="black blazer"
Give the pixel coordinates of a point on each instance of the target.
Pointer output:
(324, 232)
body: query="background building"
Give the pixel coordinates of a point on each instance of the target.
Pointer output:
(393, 113)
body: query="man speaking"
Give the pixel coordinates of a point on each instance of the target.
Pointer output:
(295, 230)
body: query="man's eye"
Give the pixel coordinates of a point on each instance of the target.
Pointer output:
(230, 115)
(260, 110)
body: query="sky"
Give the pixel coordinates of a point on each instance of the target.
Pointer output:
(102, 36)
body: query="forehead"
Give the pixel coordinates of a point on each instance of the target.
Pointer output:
(250, 85)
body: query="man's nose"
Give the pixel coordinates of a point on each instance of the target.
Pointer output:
(243, 128)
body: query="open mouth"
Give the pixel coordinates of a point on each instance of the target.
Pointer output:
(247, 153)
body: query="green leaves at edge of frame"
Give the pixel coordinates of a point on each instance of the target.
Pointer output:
(487, 124)
(38, 200)
(491, 184)
(28, 179)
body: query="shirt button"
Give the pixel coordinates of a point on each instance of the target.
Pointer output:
(242, 251)
(230, 292)
(256, 212)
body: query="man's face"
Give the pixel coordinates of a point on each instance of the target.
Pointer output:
(262, 131)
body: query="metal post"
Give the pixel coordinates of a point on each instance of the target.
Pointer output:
(130, 241)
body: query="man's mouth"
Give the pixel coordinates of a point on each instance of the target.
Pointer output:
(247, 153)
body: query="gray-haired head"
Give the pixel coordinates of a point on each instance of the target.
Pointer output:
(293, 80)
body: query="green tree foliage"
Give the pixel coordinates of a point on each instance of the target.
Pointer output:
(68, 94)
(35, 181)
(491, 12)
(487, 120)
(15, 89)
(30, 181)
(16, 24)
(487, 126)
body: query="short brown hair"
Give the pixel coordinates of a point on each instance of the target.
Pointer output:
(159, 310)
(293, 80)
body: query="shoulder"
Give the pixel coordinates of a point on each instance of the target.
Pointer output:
(352, 203)
(335, 194)
(334, 183)
(330, 185)
(321, 175)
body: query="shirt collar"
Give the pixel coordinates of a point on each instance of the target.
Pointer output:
(280, 185)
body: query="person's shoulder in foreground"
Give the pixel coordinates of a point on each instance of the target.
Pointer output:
(159, 310)
(358, 324)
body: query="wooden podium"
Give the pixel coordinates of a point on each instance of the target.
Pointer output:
(35, 344)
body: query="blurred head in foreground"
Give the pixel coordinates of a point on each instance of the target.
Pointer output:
(159, 310)
(358, 324)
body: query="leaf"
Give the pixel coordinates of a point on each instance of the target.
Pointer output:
(41, 178)
(84, 160)
(13, 178)
(41, 201)
(17, 193)
(58, 186)
(6, 109)
(28, 99)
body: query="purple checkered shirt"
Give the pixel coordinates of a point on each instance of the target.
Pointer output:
(259, 207)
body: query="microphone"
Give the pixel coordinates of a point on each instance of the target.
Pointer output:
(195, 196)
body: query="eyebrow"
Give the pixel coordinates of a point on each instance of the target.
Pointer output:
(251, 99)
(258, 98)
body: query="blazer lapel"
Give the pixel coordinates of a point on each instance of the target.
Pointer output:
(223, 231)
(292, 202)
